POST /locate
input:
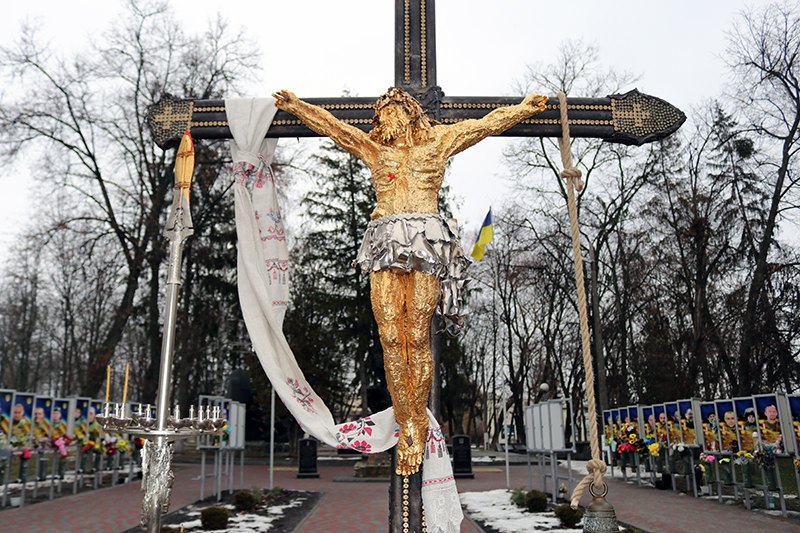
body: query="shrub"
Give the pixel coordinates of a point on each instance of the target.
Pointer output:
(518, 497)
(536, 501)
(244, 500)
(274, 493)
(214, 518)
(569, 517)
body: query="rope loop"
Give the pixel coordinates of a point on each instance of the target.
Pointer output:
(595, 470)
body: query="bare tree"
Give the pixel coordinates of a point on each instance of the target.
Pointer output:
(84, 120)
(764, 55)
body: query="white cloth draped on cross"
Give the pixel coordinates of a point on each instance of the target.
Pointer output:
(263, 277)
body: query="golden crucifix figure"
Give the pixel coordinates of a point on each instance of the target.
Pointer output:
(412, 253)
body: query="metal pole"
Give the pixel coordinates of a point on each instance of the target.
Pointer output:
(179, 228)
(272, 440)
(505, 432)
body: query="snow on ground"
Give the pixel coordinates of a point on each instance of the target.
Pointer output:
(242, 523)
(494, 508)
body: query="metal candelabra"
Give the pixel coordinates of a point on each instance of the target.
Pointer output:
(159, 429)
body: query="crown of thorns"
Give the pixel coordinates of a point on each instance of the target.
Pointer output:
(400, 98)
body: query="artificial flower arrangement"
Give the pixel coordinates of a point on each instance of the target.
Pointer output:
(90, 446)
(764, 455)
(631, 443)
(743, 458)
(60, 445)
(707, 458)
(654, 448)
(124, 446)
(21, 450)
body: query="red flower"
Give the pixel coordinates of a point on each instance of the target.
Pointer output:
(347, 428)
(391, 177)
(361, 445)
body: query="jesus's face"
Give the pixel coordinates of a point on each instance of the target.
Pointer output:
(394, 123)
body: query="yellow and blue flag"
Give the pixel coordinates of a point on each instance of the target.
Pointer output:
(485, 236)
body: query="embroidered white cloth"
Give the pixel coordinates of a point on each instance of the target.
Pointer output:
(263, 277)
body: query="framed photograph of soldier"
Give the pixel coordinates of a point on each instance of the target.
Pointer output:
(673, 423)
(608, 424)
(710, 424)
(660, 414)
(769, 421)
(79, 418)
(728, 427)
(615, 428)
(686, 411)
(794, 409)
(633, 415)
(42, 413)
(6, 403)
(648, 422)
(748, 424)
(61, 421)
(21, 419)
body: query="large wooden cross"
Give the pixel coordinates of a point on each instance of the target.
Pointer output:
(630, 118)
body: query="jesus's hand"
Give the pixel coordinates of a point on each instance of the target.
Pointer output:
(284, 97)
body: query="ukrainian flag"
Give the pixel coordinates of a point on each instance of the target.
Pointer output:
(485, 236)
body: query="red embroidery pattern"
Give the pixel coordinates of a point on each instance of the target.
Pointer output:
(439, 480)
(301, 394)
(349, 433)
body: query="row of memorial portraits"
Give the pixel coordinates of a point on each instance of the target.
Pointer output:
(721, 426)
(31, 420)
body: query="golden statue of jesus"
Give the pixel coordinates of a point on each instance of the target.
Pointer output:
(412, 253)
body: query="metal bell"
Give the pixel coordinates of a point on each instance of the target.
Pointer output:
(600, 516)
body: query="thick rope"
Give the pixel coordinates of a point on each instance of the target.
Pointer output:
(596, 468)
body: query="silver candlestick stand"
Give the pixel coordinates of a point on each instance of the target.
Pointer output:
(158, 432)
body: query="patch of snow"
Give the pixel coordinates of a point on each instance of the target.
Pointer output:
(494, 508)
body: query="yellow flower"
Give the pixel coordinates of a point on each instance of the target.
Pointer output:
(655, 449)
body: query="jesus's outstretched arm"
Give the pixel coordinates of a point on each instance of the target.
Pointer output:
(324, 123)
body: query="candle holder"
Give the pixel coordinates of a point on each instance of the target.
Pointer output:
(142, 424)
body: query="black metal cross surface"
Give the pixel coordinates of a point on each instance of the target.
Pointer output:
(630, 118)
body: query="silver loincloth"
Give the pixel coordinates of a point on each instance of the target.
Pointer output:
(424, 242)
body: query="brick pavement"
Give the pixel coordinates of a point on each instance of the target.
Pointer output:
(361, 507)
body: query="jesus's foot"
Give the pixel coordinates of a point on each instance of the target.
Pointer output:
(410, 448)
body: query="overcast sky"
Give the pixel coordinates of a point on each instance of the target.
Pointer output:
(320, 48)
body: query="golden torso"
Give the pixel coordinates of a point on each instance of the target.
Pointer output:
(407, 179)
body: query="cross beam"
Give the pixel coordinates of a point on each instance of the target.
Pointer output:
(630, 118)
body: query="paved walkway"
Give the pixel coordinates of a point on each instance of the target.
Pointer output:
(361, 507)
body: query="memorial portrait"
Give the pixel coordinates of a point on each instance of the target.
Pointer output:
(748, 423)
(708, 414)
(42, 413)
(93, 428)
(794, 408)
(79, 418)
(6, 402)
(616, 415)
(769, 423)
(686, 415)
(728, 426)
(608, 424)
(59, 420)
(673, 423)
(660, 413)
(633, 415)
(649, 422)
(21, 417)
